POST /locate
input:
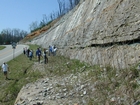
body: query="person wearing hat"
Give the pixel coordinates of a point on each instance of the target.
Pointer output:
(5, 69)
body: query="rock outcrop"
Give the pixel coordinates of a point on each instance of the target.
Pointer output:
(67, 82)
(55, 91)
(100, 32)
(104, 32)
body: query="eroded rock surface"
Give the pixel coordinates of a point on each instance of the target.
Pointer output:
(93, 28)
(67, 90)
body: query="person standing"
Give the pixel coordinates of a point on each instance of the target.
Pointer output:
(54, 53)
(24, 52)
(30, 54)
(50, 50)
(5, 69)
(28, 50)
(38, 54)
(45, 56)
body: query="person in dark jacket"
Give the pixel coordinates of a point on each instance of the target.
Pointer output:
(38, 54)
(45, 56)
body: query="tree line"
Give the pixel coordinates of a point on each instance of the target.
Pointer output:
(8, 36)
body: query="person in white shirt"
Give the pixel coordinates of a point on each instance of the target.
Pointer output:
(54, 53)
(5, 69)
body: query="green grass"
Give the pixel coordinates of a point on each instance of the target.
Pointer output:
(106, 82)
(20, 74)
(2, 47)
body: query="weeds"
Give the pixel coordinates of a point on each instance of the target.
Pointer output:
(9, 89)
(2, 47)
(108, 82)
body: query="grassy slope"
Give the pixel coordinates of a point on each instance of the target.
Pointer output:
(109, 82)
(2, 47)
(18, 77)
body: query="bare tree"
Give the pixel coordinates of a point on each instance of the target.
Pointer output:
(45, 19)
(76, 2)
(60, 6)
(34, 25)
(70, 4)
(63, 9)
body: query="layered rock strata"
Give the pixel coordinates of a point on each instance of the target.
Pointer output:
(105, 32)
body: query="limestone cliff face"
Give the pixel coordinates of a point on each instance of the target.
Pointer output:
(104, 32)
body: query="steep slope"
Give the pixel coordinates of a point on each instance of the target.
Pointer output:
(104, 32)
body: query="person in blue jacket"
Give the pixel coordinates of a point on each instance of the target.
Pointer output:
(38, 54)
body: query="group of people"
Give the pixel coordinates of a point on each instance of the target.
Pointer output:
(52, 50)
(39, 53)
(30, 54)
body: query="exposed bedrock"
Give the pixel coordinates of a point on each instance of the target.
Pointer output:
(104, 32)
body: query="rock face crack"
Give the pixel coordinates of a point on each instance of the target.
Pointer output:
(126, 42)
(101, 24)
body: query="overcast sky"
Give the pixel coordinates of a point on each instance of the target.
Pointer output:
(21, 13)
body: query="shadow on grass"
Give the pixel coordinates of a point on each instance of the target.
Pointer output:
(12, 79)
(25, 71)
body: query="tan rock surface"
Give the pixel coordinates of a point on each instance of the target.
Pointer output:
(94, 28)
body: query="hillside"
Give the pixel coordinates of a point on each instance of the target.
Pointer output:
(98, 32)
(104, 35)
(36, 33)
(71, 82)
